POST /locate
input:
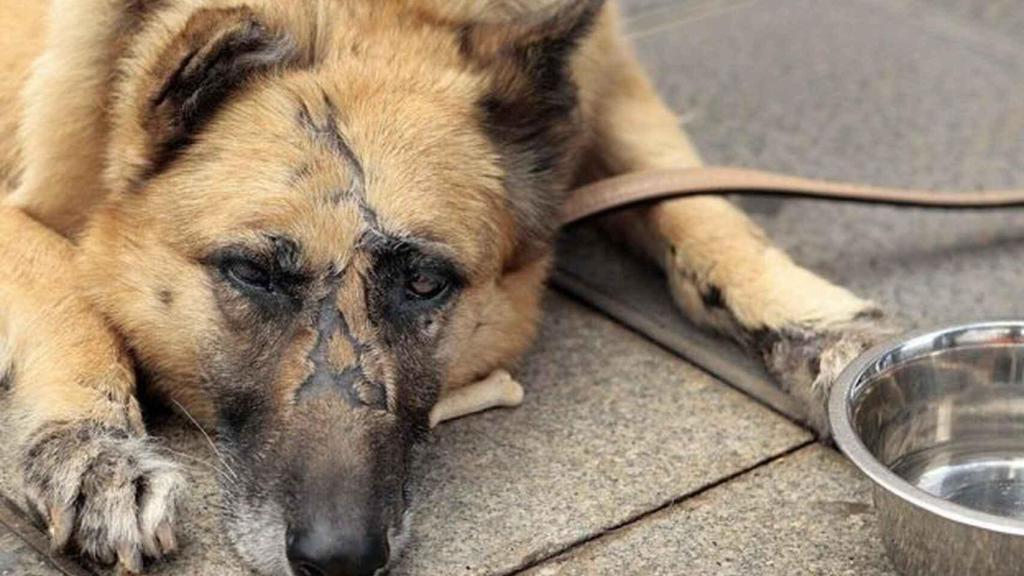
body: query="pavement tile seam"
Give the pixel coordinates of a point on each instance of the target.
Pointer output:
(13, 521)
(638, 519)
(698, 500)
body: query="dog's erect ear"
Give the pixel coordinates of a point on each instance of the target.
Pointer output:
(549, 33)
(531, 110)
(217, 51)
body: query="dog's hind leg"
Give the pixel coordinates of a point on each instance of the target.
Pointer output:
(498, 390)
(722, 270)
(71, 419)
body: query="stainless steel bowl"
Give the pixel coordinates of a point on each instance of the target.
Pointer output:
(936, 420)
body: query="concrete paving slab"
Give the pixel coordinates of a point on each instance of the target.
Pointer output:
(18, 559)
(806, 513)
(1003, 16)
(24, 551)
(612, 426)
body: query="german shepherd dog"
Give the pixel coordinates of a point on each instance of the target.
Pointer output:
(303, 223)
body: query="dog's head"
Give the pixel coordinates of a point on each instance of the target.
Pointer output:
(321, 213)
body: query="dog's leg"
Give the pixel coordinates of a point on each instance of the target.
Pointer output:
(496, 391)
(85, 463)
(62, 125)
(722, 270)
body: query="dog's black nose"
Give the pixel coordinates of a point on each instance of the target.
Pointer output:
(324, 552)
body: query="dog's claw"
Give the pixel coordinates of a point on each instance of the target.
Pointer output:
(61, 525)
(165, 538)
(130, 559)
(106, 492)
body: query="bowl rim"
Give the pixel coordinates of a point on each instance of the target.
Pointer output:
(850, 444)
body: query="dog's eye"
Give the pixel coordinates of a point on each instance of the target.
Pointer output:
(425, 285)
(248, 274)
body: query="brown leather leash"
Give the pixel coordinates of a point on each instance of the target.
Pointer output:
(638, 187)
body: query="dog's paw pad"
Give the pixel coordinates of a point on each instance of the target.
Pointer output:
(109, 494)
(807, 362)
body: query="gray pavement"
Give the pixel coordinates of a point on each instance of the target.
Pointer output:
(612, 428)
(804, 513)
(627, 459)
(18, 559)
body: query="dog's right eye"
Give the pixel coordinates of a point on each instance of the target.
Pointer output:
(248, 275)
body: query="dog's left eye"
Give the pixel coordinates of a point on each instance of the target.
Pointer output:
(426, 285)
(248, 274)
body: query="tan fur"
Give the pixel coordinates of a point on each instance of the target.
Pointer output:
(19, 46)
(50, 318)
(94, 118)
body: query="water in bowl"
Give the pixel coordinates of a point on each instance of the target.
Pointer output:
(988, 476)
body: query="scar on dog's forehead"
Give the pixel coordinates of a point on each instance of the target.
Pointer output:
(323, 129)
(377, 200)
(321, 125)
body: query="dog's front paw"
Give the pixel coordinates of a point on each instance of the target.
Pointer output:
(807, 362)
(104, 491)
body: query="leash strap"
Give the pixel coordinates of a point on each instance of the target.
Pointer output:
(638, 187)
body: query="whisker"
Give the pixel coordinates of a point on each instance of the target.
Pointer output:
(196, 459)
(220, 457)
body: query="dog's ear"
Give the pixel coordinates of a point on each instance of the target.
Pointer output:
(549, 33)
(216, 52)
(531, 108)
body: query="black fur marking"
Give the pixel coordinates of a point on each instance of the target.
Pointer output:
(7, 379)
(166, 296)
(466, 45)
(762, 339)
(241, 415)
(287, 256)
(814, 365)
(300, 173)
(712, 297)
(327, 134)
(351, 381)
(532, 116)
(208, 75)
(869, 314)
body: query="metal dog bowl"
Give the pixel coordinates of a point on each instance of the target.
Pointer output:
(936, 420)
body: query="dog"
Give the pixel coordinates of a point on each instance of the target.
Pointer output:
(305, 224)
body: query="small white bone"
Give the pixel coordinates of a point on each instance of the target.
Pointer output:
(497, 390)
